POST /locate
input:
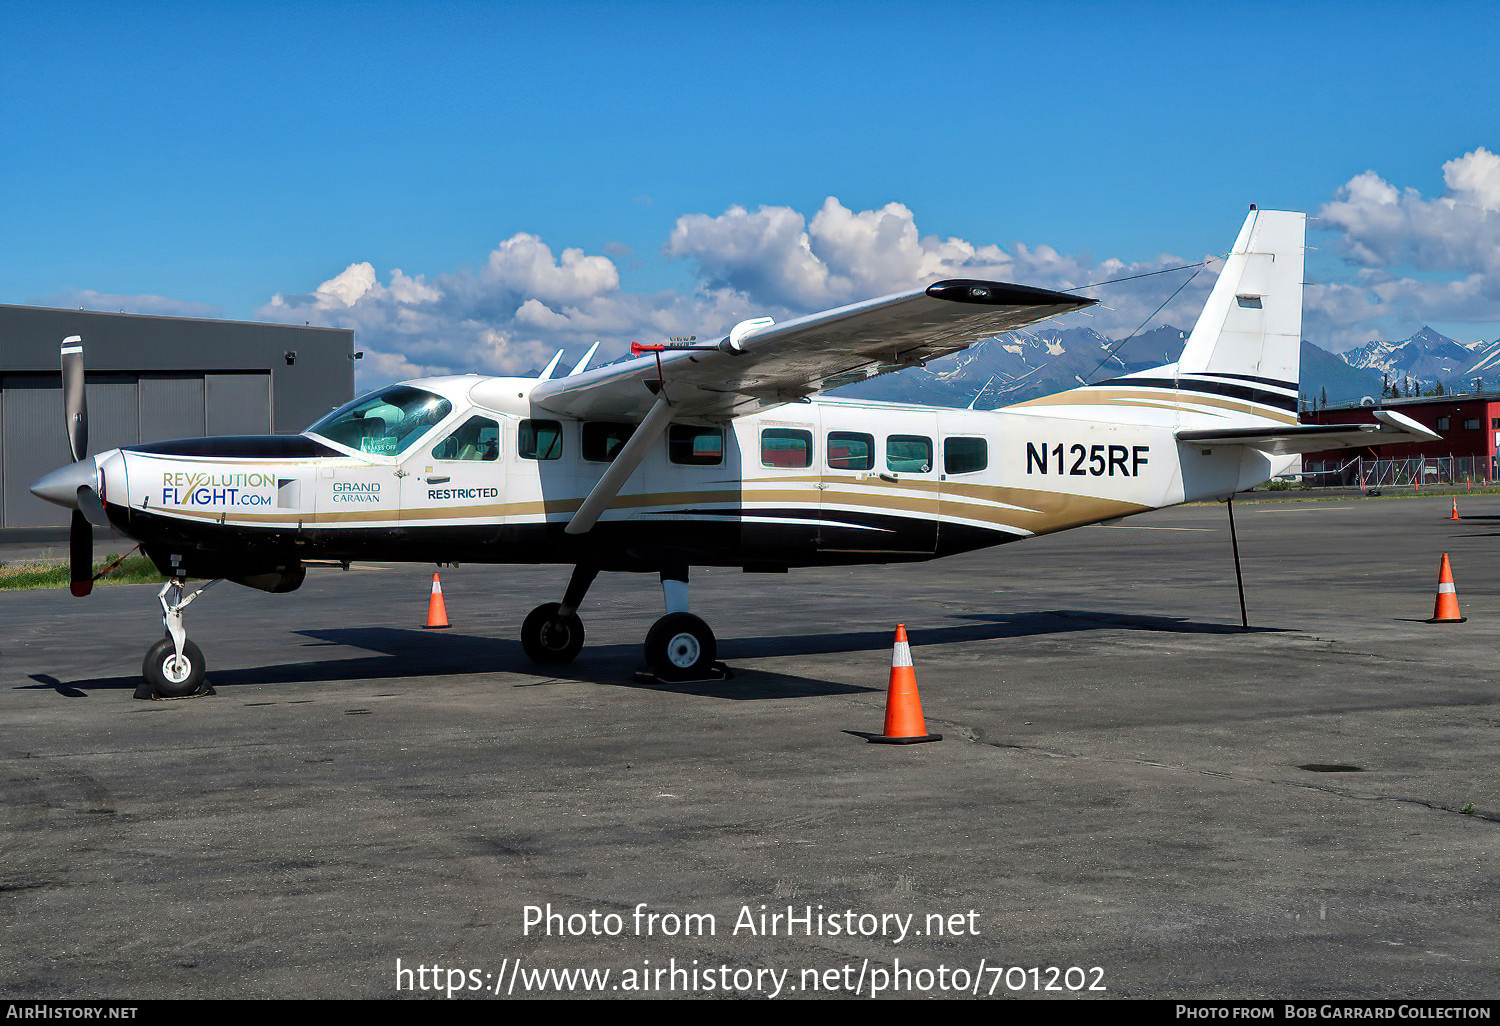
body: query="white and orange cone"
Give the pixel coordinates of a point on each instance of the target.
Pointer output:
(1445, 609)
(437, 611)
(1455, 515)
(904, 724)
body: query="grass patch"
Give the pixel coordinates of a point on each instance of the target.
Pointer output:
(23, 576)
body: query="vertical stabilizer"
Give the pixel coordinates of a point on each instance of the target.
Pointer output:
(1252, 323)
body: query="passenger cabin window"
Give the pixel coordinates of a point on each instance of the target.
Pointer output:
(539, 440)
(478, 439)
(1442, 423)
(1471, 425)
(908, 454)
(788, 448)
(384, 423)
(965, 455)
(602, 440)
(851, 450)
(694, 446)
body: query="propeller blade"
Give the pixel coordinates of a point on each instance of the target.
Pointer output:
(91, 507)
(75, 397)
(80, 556)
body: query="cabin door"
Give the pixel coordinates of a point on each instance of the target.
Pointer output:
(879, 487)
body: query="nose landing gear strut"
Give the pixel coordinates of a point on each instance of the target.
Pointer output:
(174, 666)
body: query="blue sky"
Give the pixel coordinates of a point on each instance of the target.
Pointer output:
(218, 155)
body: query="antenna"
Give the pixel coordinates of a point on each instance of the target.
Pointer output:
(582, 364)
(547, 373)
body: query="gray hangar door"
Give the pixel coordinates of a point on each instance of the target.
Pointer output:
(238, 404)
(171, 407)
(33, 441)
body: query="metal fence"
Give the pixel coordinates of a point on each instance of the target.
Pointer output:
(1411, 473)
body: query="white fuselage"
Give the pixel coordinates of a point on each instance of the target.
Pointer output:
(828, 480)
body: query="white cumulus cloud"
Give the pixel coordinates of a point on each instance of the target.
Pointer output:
(1418, 258)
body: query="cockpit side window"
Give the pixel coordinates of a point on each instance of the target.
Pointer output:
(478, 439)
(384, 423)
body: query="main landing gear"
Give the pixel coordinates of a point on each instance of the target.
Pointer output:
(679, 646)
(174, 666)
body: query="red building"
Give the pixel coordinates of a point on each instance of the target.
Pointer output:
(1469, 424)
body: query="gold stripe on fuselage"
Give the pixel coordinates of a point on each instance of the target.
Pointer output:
(1002, 507)
(1187, 401)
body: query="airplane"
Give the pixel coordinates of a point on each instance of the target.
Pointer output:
(720, 454)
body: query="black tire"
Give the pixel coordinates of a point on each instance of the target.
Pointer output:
(167, 677)
(548, 638)
(680, 646)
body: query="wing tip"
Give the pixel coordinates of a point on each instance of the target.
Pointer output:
(1000, 293)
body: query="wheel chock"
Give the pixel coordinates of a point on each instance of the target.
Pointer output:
(145, 692)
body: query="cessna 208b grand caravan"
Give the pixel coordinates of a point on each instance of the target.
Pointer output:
(717, 455)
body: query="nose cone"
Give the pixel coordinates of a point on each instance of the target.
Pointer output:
(61, 486)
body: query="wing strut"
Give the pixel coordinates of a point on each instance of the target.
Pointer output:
(618, 472)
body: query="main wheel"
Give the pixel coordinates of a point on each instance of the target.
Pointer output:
(548, 638)
(680, 646)
(171, 675)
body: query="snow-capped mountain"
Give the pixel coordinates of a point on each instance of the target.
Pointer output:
(1428, 356)
(1484, 363)
(1023, 365)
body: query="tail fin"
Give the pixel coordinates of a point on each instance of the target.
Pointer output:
(1252, 323)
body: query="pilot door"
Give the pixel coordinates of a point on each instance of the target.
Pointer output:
(457, 481)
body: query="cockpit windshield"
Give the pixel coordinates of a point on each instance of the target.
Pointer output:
(386, 422)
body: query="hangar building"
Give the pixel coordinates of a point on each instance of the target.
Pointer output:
(152, 378)
(1469, 424)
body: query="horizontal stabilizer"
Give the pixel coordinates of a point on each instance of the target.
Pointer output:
(1391, 428)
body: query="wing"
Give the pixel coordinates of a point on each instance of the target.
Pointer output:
(1391, 428)
(782, 363)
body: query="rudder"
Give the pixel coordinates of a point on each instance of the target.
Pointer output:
(1251, 325)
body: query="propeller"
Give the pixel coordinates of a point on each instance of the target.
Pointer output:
(75, 398)
(76, 422)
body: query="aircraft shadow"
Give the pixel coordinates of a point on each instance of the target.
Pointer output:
(416, 654)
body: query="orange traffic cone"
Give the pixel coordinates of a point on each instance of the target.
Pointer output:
(437, 612)
(903, 706)
(1455, 515)
(1445, 609)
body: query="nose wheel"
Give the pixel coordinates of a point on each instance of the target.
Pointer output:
(171, 675)
(174, 666)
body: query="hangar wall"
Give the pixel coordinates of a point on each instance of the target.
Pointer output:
(153, 378)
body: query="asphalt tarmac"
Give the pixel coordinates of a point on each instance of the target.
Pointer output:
(1123, 782)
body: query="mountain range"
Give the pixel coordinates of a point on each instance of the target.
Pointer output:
(1022, 365)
